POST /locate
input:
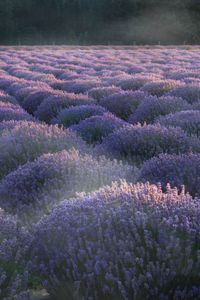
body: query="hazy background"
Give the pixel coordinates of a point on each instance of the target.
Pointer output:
(99, 21)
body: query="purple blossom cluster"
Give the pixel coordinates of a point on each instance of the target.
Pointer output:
(28, 140)
(13, 238)
(34, 99)
(123, 104)
(10, 111)
(7, 126)
(178, 170)
(95, 128)
(152, 107)
(188, 120)
(51, 106)
(190, 93)
(80, 85)
(53, 177)
(123, 242)
(135, 82)
(139, 143)
(4, 97)
(160, 87)
(99, 93)
(73, 115)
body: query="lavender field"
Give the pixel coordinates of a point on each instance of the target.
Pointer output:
(100, 173)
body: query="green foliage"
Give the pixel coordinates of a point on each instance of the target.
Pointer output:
(95, 21)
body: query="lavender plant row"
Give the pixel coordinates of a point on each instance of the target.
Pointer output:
(73, 120)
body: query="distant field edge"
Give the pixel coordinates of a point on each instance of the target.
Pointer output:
(2, 47)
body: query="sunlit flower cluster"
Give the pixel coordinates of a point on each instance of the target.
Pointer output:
(124, 242)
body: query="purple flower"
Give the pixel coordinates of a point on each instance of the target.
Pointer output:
(138, 143)
(28, 140)
(188, 120)
(93, 129)
(123, 104)
(190, 93)
(160, 87)
(135, 82)
(178, 170)
(10, 111)
(52, 105)
(53, 177)
(35, 98)
(102, 92)
(78, 86)
(14, 243)
(152, 107)
(75, 114)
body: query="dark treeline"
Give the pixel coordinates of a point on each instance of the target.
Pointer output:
(99, 21)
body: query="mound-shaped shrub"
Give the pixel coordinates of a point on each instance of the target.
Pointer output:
(79, 86)
(139, 143)
(178, 170)
(27, 141)
(190, 93)
(53, 177)
(10, 111)
(160, 87)
(135, 82)
(34, 99)
(6, 81)
(196, 105)
(93, 129)
(13, 277)
(188, 120)
(19, 84)
(124, 242)
(182, 74)
(152, 107)
(101, 92)
(123, 104)
(7, 98)
(51, 106)
(24, 92)
(6, 126)
(73, 115)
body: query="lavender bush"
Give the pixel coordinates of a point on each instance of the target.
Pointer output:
(53, 177)
(79, 86)
(13, 275)
(139, 143)
(73, 115)
(178, 170)
(135, 82)
(4, 97)
(188, 120)
(152, 107)
(101, 92)
(159, 87)
(10, 111)
(93, 129)
(34, 99)
(124, 242)
(190, 93)
(51, 106)
(27, 141)
(123, 104)
(7, 126)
